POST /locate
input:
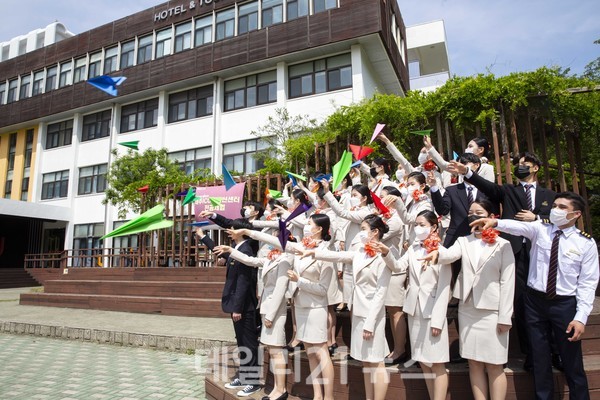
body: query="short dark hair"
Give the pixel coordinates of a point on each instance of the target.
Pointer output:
(385, 164)
(431, 217)
(364, 191)
(392, 190)
(486, 205)
(469, 158)
(576, 200)
(257, 207)
(483, 143)
(420, 177)
(529, 157)
(322, 221)
(375, 222)
(302, 197)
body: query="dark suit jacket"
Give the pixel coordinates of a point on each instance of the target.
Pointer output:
(238, 223)
(239, 292)
(514, 200)
(455, 202)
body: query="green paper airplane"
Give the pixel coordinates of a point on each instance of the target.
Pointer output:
(132, 145)
(302, 178)
(148, 221)
(215, 201)
(341, 169)
(425, 132)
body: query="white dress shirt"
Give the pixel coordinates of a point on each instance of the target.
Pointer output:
(532, 190)
(578, 271)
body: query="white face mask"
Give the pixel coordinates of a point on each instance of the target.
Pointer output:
(559, 217)
(363, 236)
(422, 158)
(247, 213)
(400, 175)
(354, 202)
(422, 232)
(469, 150)
(307, 231)
(411, 189)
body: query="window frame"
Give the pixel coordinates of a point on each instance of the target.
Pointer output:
(101, 124)
(182, 37)
(63, 135)
(96, 181)
(198, 95)
(250, 17)
(257, 144)
(111, 58)
(25, 86)
(204, 29)
(142, 107)
(79, 70)
(228, 23)
(65, 75)
(164, 45)
(127, 55)
(146, 48)
(317, 74)
(256, 86)
(60, 184)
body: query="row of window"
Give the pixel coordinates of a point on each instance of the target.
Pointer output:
(174, 39)
(238, 156)
(12, 151)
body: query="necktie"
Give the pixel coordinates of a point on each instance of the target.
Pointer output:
(529, 199)
(553, 266)
(470, 195)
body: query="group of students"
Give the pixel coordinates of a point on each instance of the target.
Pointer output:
(405, 247)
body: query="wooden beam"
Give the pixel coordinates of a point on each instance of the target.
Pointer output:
(496, 153)
(505, 150)
(545, 154)
(559, 160)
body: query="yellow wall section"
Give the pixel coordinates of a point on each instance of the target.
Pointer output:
(19, 163)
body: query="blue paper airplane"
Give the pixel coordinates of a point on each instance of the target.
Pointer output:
(455, 155)
(356, 164)
(227, 178)
(294, 181)
(107, 83)
(200, 223)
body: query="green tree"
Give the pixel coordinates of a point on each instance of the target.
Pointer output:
(592, 70)
(133, 170)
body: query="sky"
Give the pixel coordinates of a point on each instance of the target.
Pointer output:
(482, 36)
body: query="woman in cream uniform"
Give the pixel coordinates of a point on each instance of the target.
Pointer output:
(273, 310)
(371, 274)
(425, 303)
(485, 288)
(361, 200)
(309, 284)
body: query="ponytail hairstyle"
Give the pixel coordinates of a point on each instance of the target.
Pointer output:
(322, 221)
(431, 217)
(302, 197)
(375, 222)
(391, 190)
(382, 162)
(419, 177)
(487, 206)
(364, 191)
(484, 144)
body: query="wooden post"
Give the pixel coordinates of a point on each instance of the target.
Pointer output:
(317, 164)
(530, 146)
(545, 153)
(561, 172)
(327, 160)
(505, 151)
(448, 144)
(496, 153)
(513, 132)
(586, 215)
(438, 130)
(477, 129)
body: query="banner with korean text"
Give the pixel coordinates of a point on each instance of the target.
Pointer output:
(218, 199)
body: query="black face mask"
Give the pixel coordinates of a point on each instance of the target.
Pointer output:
(522, 171)
(473, 218)
(373, 172)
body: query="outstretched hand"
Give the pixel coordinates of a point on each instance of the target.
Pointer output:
(379, 247)
(305, 253)
(220, 250)
(237, 234)
(206, 214)
(428, 259)
(383, 138)
(483, 224)
(325, 184)
(456, 167)
(427, 142)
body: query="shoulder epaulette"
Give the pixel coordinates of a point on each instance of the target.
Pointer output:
(545, 221)
(585, 234)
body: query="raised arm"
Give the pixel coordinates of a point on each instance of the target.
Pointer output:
(438, 159)
(451, 254)
(491, 189)
(398, 156)
(353, 216)
(441, 203)
(255, 262)
(265, 224)
(345, 257)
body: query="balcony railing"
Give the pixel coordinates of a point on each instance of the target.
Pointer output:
(430, 82)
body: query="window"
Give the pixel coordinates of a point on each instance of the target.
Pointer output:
(38, 83)
(192, 103)
(25, 85)
(296, 9)
(163, 43)
(272, 12)
(192, 160)
(239, 156)
(12, 91)
(127, 53)
(139, 115)
(55, 185)
(225, 24)
(96, 126)
(27, 166)
(251, 90)
(12, 151)
(51, 79)
(322, 5)
(110, 60)
(124, 246)
(8, 186)
(248, 17)
(203, 31)
(87, 246)
(95, 61)
(59, 134)
(65, 74)
(320, 76)
(79, 74)
(2, 92)
(144, 52)
(25, 188)
(183, 37)
(92, 179)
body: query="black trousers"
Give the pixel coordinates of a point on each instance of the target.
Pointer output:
(556, 314)
(521, 274)
(246, 336)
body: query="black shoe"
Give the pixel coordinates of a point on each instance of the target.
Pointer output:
(234, 384)
(458, 360)
(349, 357)
(284, 396)
(298, 347)
(557, 362)
(395, 361)
(332, 349)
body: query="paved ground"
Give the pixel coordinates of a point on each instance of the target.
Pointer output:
(42, 368)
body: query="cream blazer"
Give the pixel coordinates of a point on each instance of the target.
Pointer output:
(314, 276)
(428, 289)
(274, 281)
(490, 279)
(371, 276)
(355, 217)
(408, 211)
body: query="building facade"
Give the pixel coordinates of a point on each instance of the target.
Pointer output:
(201, 75)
